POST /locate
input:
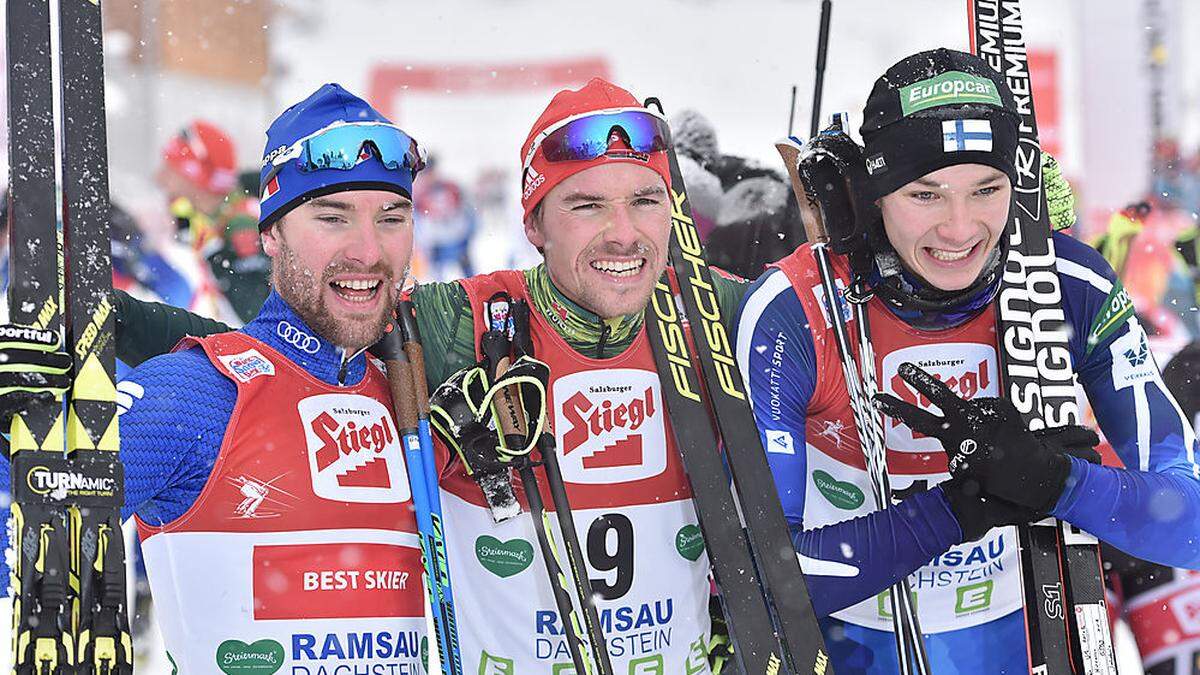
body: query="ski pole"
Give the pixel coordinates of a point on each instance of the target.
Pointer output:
(404, 404)
(523, 344)
(510, 420)
(413, 349)
(819, 82)
(792, 111)
(909, 643)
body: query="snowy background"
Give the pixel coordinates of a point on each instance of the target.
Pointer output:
(468, 77)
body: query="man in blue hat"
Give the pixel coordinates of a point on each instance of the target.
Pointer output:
(263, 465)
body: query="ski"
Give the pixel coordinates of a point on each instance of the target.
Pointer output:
(1065, 612)
(100, 619)
(69, 599)
(771, 621)
(40, 539)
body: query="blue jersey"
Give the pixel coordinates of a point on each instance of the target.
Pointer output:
(174, 410)
(1150, 510)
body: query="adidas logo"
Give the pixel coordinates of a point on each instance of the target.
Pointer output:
(532, 180)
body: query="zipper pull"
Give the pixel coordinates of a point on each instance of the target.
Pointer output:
(341, 378)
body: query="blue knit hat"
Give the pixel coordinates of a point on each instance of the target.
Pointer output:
(290, 187)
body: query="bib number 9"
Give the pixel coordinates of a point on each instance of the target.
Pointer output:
(610, 549)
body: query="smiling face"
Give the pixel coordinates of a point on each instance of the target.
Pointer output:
(944, 224)
(338, 261)
(604, 232)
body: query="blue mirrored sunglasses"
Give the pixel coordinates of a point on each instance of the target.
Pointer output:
(344, 146)
(590, 136)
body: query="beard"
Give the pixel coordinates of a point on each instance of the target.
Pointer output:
(304, 292)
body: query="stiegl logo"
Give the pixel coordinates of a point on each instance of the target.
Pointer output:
(611, 424)
(59, 483)
(354, 452)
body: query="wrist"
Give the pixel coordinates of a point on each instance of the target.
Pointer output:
(1058, 471)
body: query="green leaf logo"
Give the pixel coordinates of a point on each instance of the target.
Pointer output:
(264, 657)
(689, 542)
(845, 496)
(503, 558)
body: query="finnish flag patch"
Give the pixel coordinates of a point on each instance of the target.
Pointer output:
(959, 135)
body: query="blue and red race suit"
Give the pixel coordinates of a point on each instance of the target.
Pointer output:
(968, 594)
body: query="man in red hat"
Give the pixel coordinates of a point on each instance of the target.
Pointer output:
(596, 204)
(215, 215)
(596, 200)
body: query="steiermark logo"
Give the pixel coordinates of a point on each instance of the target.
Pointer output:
(425, 653)
(689, 542)
(845, 496)
(951, 88)
(495, 665)
(973, 597)
(264, 657)
(503, 558)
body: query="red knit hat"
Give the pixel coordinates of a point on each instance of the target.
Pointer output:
(598, 94)
(205, 155)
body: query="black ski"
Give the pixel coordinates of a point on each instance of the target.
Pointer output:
(771, 620)
(69, 599)
(41, 635)
(101, 622)
(1065, 612)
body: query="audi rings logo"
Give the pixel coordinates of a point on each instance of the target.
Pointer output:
(297, 338)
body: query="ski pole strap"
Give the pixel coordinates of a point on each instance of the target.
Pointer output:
(526, 378)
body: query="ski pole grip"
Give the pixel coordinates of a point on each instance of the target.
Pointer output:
(390, 348)
(810, 210)
(411, 335)
(510, 416)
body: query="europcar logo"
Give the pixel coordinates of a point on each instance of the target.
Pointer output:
(950, 88)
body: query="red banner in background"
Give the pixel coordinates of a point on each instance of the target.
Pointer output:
(1043, 74)
(387, 82)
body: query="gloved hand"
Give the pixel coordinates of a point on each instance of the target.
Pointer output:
(33, 367)
(977, 513)
(987, 441)
(460, 418)
(1060, 200)
(831, 166)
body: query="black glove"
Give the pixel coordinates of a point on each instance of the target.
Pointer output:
(831, 167)
(459, 417)
(33, 367)
(987, 441)
(977, 512)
